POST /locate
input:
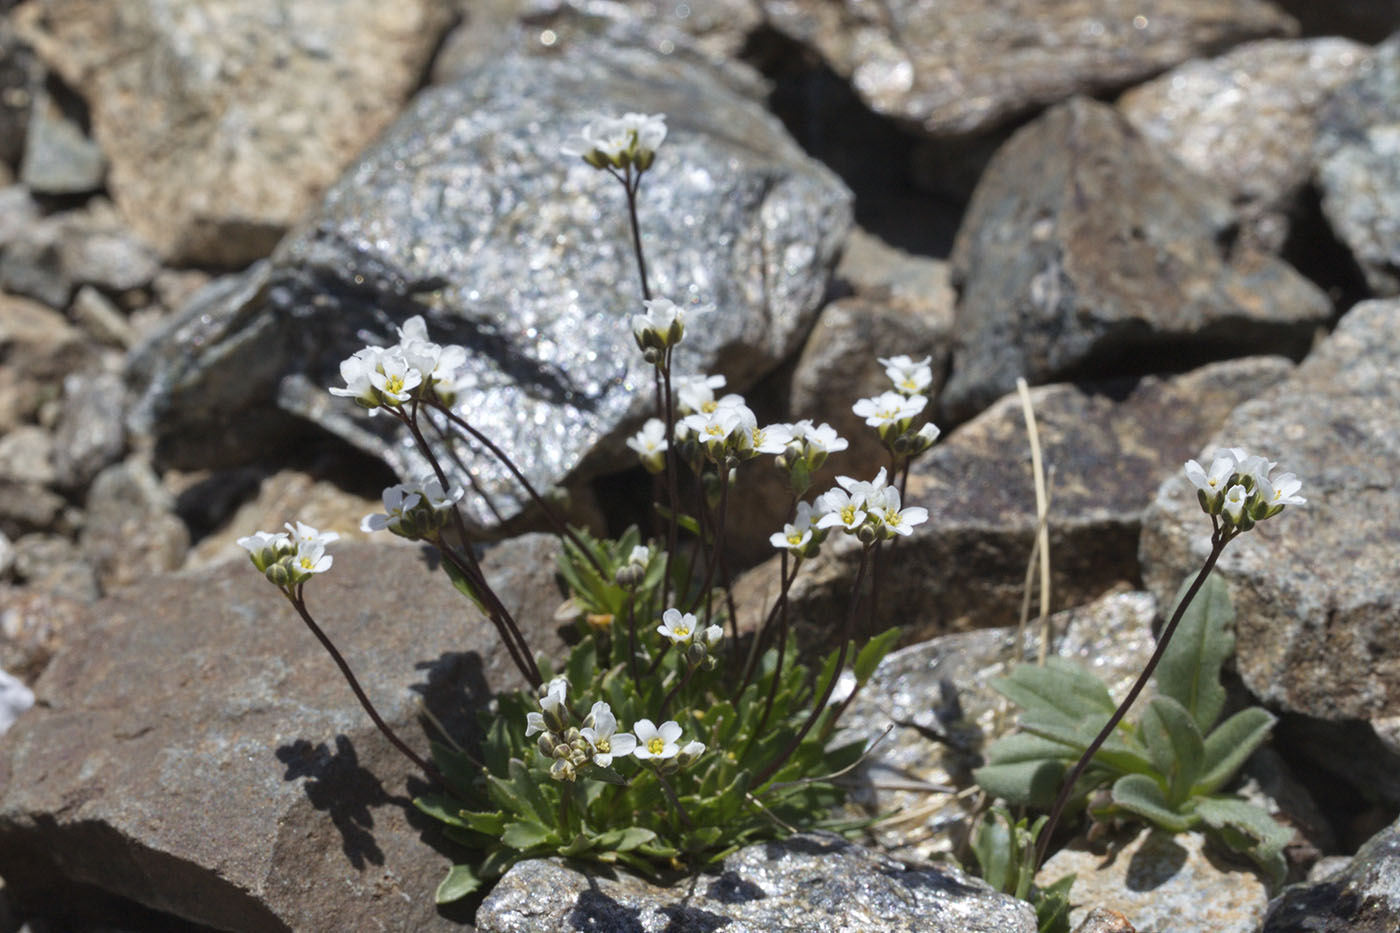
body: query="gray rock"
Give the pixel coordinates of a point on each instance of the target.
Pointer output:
(34, 624)
(101, 318)
(28, 506)
(18, 212)
(90, 433)
(954, 68)
(810, 883)
(52, 563)
(1085, 249)
(15, 698)
(1164, 883)
(223, 127)
(132, 533)
(1103, 920)
(204, 702)
(59, 159)
(26, 456)
(467, 212)
(21, 77)
(1364, 897)
(7, 557)
(941, 686)
(966, 566)
(1318, 629)
(108, 256)
(1358, 167)
(1248, 120)
(32, 266)
(37, 344)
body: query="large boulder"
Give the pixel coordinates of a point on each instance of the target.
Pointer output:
(466, 211)
(1358, 167)
(952, 68)
(1107, 448)
(195, 751)
(1317, 624)
(223, 121)
(1087, 250)
(1248, 120)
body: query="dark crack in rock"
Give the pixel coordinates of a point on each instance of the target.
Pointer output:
(1364, 897)
(953, 68)
(810, 883)
(1085, 249)
(467, 212)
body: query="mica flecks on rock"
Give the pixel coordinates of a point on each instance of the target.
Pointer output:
(810, 883)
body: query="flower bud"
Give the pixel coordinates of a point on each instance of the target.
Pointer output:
(280, 573)
(546, 744)
(563, 770)
(695, 653)
(867, 534)
(689, 753)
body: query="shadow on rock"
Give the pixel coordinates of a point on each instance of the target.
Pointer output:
(454, 691)
(342, 788)
(594, 910)
(1155, 863)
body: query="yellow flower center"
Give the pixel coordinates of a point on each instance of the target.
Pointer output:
(603, 745)
(891, 517)
(394, 384)
(306, 563)
(794, 539)
(708, 407)
(714, 430)
(848, 515)
(657, 745)
(681, 631)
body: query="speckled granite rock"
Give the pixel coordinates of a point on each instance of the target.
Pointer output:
(59, 159)
(1358, 167)
(90, 434)
(966, 566)
(1364, 897)
(224, 121)
(954, 68)
(467, 212)
(1317, 624)
(1163, 883)
(241, 786)
(1103, 920)
(1247, 120)
(1085, 249)
(132, 533)
(941, 686)
(811, 883)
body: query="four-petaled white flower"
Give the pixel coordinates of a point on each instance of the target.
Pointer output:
(694, 393)
(910, 376)
(797, 535)
(603, 736)
(884, 507)
(677, 626)
(839, 508)
(1281, 491)
(889, 409)
(773, 439)
(356, 372)
(650, 444)
(304, 536)
(398, 501)
(1235, 499)
(267, 548)
(394, 377)
(654, 741)
(631, 139)
(1212, 483)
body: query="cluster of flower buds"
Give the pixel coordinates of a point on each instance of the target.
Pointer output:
(380, 377)
(633, 572)
(1239, 489)
(630, 140)
(597, 740)
(659, 329)
(869, 510)
(291, 557)
(415, 510)
(684, 631)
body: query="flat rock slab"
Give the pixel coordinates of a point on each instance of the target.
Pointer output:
(1163, 883)
(195, 750)
(1248, 120)
(224, 120)
(467, 212)
(966, 566)
(1086, 250)
(1358, 167)
(1364, 897)
(953, 68)
(811, 883)
(1317, 623)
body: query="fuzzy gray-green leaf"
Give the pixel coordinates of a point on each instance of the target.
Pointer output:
(1175, 746)
(1060, 686)
(1139, 794)
(1230, 745)
(1190, 668)
(460, 882)
(1248, 829)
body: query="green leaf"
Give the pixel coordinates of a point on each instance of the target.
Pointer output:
(1231, 744)
(1052, 906)
(1189, 671)
(684, 521)
(875, 649)
(582, 843)
(992, 845)
(463, 586)
(1060, 686)
(625, 840)
(1120, 752)
(525, 835)
(1140, 795)
(1175, 746)
(1248, 829)
(441, 807)
(529, 791)
(1032, 783)
(460, 882)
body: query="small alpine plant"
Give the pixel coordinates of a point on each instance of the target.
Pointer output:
(664, 740)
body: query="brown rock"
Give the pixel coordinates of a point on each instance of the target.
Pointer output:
(195, 750)
(1103, 920)
(132, 533)
(223, 125)
(34, 625)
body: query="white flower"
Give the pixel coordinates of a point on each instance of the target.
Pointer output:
(309, 560)
(603, 736)
(677, 626)
(716, 428)
(1235, 499)
(1211, 484)
(838, 507)
(434, 496)
(662, 325)
(304, 536)
(266, 549)
(394, 378)
(559, 685)
(863, 491)
(356, 372)
(896, 521)
(534, 723)
(650, 444)
(654, 742)
(773, 439)
(640, 556)
(690, 752)
(1281, 491)
(889, 409)
(631, 139)
(822, 438)
(694, 393)
(713, 636)
(398, 501)
(924, 438)
(910, 377)
(796, 536)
